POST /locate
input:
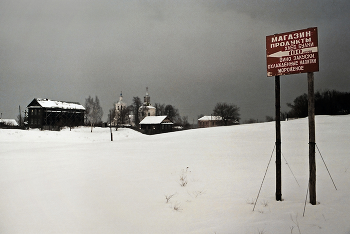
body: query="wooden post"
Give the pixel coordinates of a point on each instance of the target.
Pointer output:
(110, 124)
(312, 140)
(278, 140)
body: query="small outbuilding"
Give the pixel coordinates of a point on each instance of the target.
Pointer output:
(156, 124)
(52, 115)
(209, 121)
(8, 123)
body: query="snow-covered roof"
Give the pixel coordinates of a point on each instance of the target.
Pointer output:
(155, 120)
(209, 117)
(148, 107)
(10, 122)
(47, 103)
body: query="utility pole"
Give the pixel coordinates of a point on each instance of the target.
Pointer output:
(312, 140)
(20, 116)
(278, 139)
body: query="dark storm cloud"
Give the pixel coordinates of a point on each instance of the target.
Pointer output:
(191, 54)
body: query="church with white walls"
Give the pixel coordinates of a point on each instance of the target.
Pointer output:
(120, 116)
(120, 105)
(146, 109)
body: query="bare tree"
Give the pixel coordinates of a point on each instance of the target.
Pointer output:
(122, 115)
(136, 104)
(89, 106)
(98, 110)
(172, 113)
(228, 112)
(160, 109)
(20, 119)
(185, 123)
(93, 111)
(111, 115)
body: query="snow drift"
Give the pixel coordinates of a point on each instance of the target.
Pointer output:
(195, 181)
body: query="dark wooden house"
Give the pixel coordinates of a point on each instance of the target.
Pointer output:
(52, 115)
(156, 124)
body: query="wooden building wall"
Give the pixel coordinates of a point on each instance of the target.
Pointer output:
(53, 118)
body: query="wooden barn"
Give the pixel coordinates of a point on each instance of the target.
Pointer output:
(52, 115)
(156, 124)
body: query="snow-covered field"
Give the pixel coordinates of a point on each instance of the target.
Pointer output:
(81, 182)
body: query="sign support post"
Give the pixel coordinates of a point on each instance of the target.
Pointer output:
(312, 141)
(278, 140)
(294, 53)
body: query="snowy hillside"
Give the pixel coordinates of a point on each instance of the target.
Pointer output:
(195, 181)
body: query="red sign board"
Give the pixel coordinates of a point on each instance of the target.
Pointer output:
(292, 52)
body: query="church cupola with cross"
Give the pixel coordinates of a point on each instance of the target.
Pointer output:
(120, 105)
(146, 109)
(147, 99)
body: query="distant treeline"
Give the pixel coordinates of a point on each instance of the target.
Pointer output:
(328, 102)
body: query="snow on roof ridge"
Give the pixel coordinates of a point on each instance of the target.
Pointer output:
(210, 117)
(153, 119)
(45, 102)
(46, 99)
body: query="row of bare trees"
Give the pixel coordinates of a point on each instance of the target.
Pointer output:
(327, 102)
(229, 113)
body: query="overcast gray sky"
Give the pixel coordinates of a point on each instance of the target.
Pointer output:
(190, 53)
